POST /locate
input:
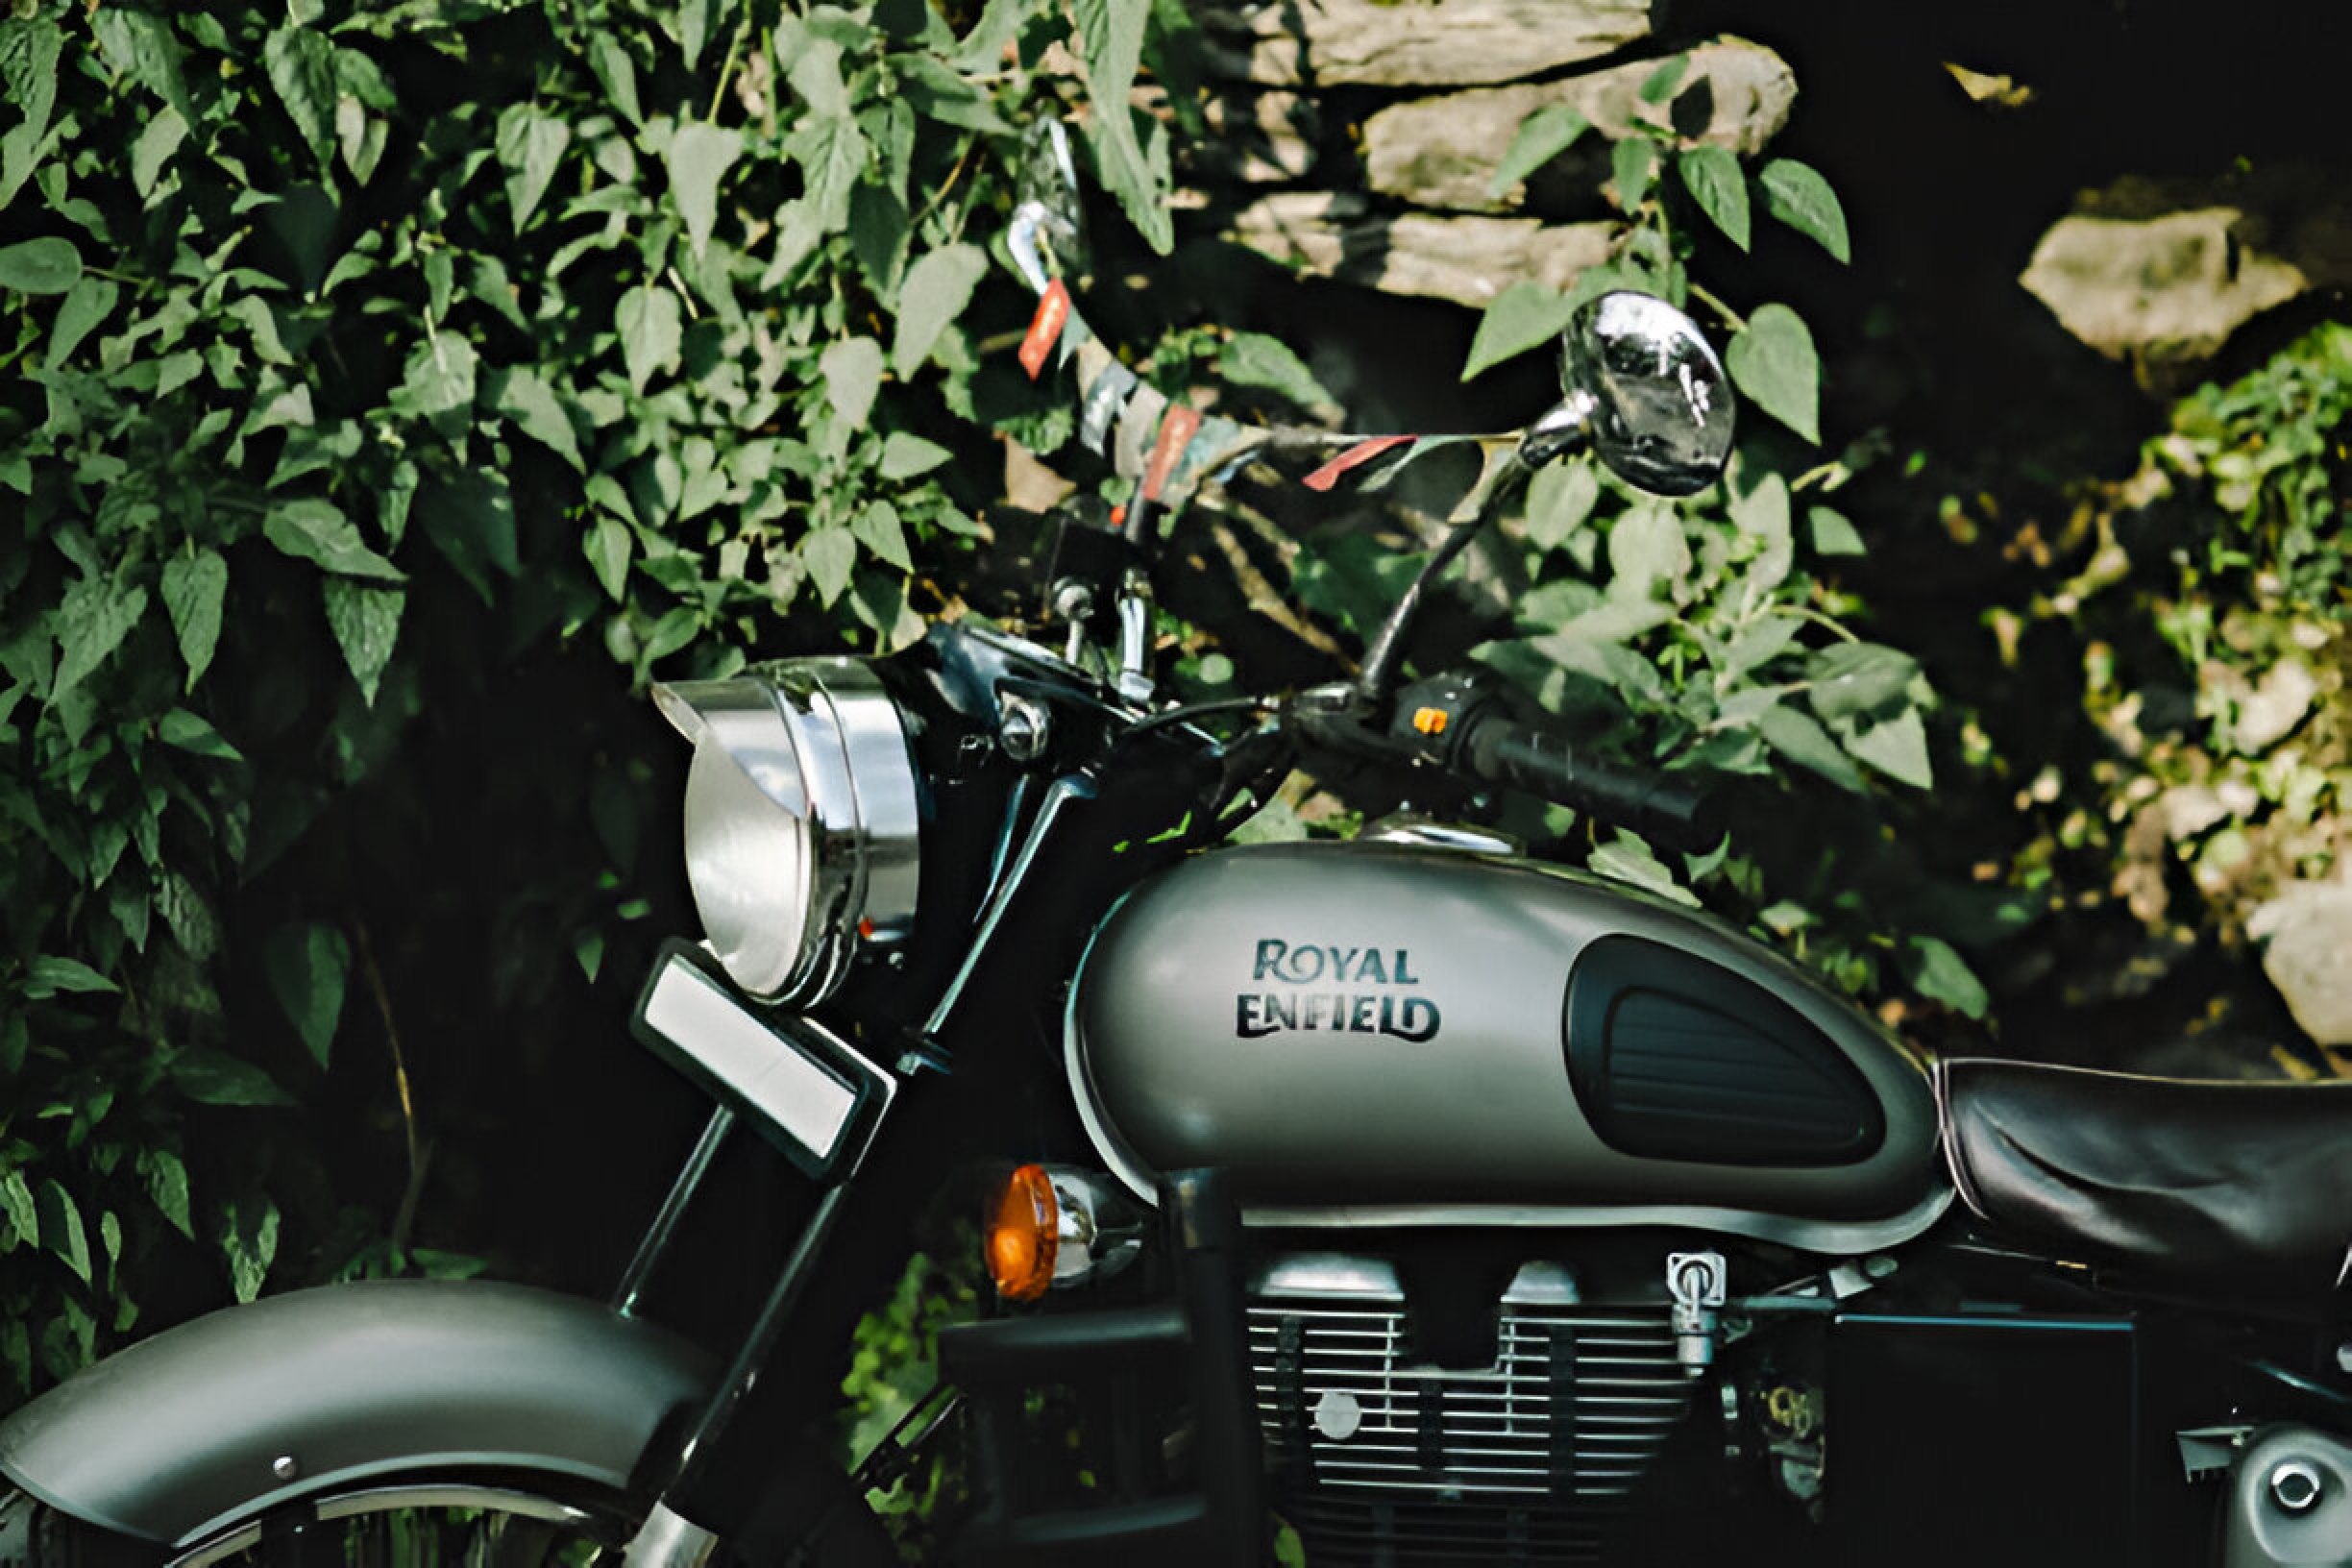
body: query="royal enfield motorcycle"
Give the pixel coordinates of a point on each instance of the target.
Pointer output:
(1410, 1196)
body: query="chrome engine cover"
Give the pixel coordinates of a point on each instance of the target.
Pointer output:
(1383, 1455)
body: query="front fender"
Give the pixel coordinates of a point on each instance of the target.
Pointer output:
(299, 1393)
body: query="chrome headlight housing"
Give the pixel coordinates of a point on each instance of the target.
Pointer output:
(801, 821)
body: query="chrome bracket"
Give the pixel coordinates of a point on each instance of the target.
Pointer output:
(1696, 1281)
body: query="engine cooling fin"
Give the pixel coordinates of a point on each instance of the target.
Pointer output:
(1386, 1459)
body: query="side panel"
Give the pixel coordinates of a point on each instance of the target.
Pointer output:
(293, 1394)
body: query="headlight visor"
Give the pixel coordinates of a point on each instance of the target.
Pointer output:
(801, 821)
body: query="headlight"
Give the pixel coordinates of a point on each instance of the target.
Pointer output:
(800, 821)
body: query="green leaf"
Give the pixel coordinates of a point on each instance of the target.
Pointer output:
(1774, 364)
(878, 529)
(1658, 87)
(365, 618)
(313, 529)
(167, 1184)
(301, 64)
(190, 733)
(1526, 315)
(1857, 680)
(1798, 196)
(23, 1213)
(1800, 738)
(193, 589)
(531, 142)
(1712, 176)
(1646, 548)
(440, 376)
(1832, 534)
(608, 545)
(94, 619)
(153, 148)
(616, 73)
(938, 286)
(308, 967)
(878, 236)
(1541, 138)
(1896, 748)
(830, 554)
(85, 304)
(1629, 858)
(141, 45)
(50, 976)
(697, 157)
(905, 457)
(651, 329)
(1939, 973)
(1254, 360)
(29, 70)
(1136, 171)
(1560, 497)
(470, 520)
(211, 1077)
(525, 396)
(49, 265)
(852, 372)
(249, 1242)
(61, 1227)
(1633, 165)
(938, 93)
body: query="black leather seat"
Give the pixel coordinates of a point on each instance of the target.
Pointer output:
(2241, 1187)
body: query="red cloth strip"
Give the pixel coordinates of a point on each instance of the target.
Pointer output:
(1175, 430)
(1045, 327)
(1356, 456)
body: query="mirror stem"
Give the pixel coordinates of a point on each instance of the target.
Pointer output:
(1376, 681)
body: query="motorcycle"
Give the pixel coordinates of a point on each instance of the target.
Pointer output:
(1441, 1203)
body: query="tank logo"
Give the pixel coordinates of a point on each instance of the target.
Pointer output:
(1287, 1005)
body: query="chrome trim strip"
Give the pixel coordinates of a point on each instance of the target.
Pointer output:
(383, 1499)
(1832, 1237)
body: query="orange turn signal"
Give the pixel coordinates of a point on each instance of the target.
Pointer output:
(1021, 1235)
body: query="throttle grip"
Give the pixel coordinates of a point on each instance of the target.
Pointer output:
(1542, 763)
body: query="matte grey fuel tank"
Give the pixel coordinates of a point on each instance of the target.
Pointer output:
(1380, 1033)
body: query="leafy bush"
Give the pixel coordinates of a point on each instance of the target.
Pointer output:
(362, 348)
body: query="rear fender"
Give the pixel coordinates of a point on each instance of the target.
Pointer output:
(245, 1409)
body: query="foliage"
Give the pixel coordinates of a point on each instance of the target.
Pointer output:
(1712, 634)
(2231, 537)
(364, 349)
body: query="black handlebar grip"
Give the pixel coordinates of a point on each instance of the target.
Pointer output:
(1544, 764)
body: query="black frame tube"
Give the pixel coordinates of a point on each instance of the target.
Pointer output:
(654, 1244)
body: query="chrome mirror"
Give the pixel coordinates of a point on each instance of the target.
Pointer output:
(1049, 234)
(1647, 392)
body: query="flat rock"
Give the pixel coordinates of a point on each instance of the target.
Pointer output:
(2163, 272)
(1256, 137)
(1442, 152)
(2308, 955)
(1406, 43)
(1468, 260)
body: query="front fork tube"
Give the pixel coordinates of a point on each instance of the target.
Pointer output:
(671, 1536)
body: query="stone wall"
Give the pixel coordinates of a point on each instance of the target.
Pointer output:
(1358, 140)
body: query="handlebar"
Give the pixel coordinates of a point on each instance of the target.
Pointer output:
(1524, 758)
(1455, 722)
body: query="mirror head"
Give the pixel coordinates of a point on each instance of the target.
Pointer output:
(1656, 403)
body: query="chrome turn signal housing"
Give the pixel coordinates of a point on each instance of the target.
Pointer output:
(803, 821)
(1053, 1227)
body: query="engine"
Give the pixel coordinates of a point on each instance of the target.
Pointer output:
(1387, 1458)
